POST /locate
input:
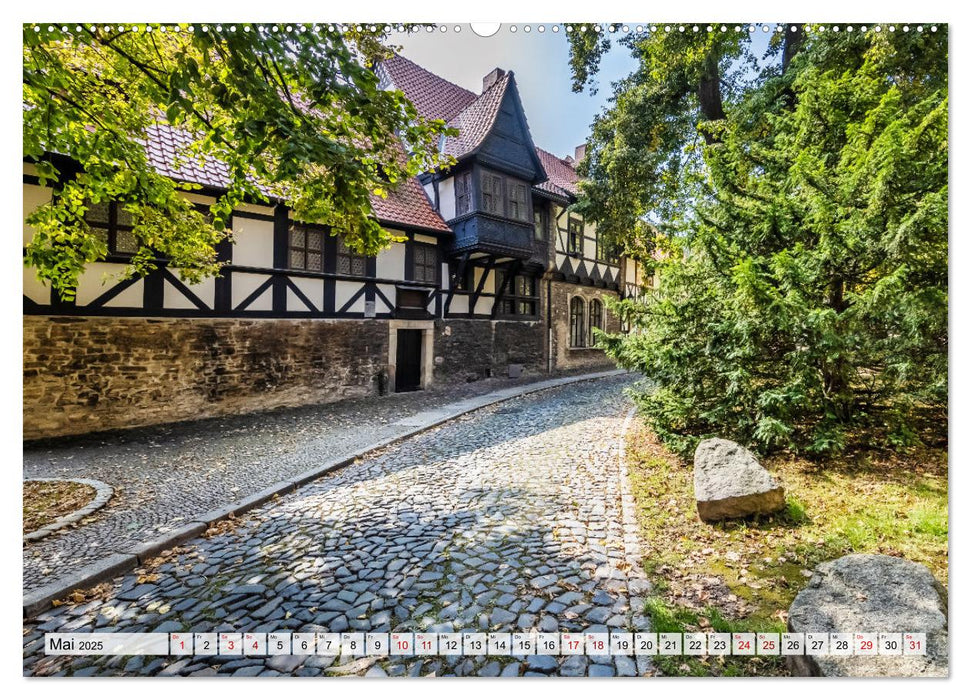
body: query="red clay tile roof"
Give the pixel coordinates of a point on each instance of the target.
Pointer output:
(433, 96)
(166, 147)
(562, 177)
(475, 121)
(407, 206)
(473, 116)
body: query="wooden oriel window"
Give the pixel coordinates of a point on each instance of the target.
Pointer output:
(111, 223)
(492, 193)
(518, 203)
(596, 318)
(350, 262)
(424, 263)
(463, 193)
(578, 338)
(305, 248)
(575, 235)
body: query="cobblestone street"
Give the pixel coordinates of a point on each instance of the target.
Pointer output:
(165, 476)
(507, 519)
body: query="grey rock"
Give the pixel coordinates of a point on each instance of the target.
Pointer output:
(625, 666)
(872, 593)
(285, 663)
(502, 617)
(730, 482)
(602, 670)
(137, 592)
(510, 670)
(574, 666)
(541, 663)
(490, 669)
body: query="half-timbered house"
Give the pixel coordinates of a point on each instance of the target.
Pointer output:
(495, 276)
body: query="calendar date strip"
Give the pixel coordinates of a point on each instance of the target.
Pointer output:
(402, 644)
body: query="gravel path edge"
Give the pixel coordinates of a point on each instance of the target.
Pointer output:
(102, 494)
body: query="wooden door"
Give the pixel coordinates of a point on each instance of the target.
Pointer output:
(407, 375)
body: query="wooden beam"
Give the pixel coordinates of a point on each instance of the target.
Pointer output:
(501, 292)
(478, 288)
(451, 283)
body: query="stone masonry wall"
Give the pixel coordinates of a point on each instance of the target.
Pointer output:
(566, 358)
(85, 374)
(467, 350)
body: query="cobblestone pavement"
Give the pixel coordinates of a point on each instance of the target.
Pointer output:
(165, 476)
(507, 519)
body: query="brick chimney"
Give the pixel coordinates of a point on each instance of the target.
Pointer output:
(491, 78)
(579, 152)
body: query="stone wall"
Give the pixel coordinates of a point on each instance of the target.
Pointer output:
(467, 350)
(85, 374)
(566, 358)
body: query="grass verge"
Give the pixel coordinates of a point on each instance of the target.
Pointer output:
(743, 575)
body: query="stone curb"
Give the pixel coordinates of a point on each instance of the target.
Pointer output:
(39, 600)
(102, 493)
(639, 585)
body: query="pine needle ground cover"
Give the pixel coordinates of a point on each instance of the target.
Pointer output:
(741, 576)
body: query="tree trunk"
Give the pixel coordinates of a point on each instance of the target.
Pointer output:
(710, 95)
(792, 44)
(836, 374)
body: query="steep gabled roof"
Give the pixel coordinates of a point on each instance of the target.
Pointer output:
(476, 120)
(166, 146)
(433, 96)
(561, 176)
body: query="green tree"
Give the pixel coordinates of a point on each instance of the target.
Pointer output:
(800, 235)
(293, 112)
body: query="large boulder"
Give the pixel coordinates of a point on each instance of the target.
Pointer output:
(730, 482)
(872, 593)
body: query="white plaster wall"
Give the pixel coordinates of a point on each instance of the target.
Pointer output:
(172, 298)
(253, 242)
(37, 291)
(34, 196)
(245, 284)
(97, 279)
(391, 262)
(343, 291)
(589, 240)
(390, 293)
(446, 198)
(133, 297)
(312, 288)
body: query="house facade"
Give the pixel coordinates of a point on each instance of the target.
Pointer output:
(494, 277)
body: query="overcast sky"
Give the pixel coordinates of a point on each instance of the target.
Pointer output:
(559, 119)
